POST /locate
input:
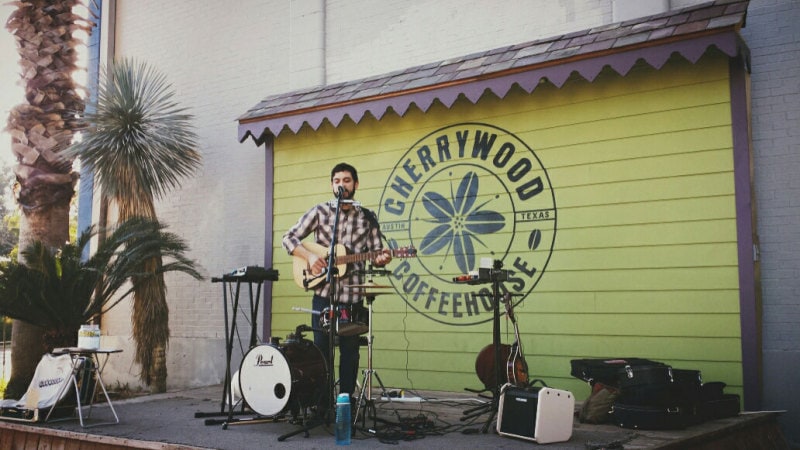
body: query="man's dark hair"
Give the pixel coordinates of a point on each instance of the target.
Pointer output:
(344, 167)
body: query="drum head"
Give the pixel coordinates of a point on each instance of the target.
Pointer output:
(265, 380)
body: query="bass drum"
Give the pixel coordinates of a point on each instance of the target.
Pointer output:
(272, 378)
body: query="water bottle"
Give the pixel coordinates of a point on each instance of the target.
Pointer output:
(343, 419)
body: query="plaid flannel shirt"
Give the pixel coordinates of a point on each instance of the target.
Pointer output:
(355, 232)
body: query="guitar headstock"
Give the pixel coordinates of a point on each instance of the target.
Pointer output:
(405, 252)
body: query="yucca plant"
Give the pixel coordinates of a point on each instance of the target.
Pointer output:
(140, 144)
(59, 291)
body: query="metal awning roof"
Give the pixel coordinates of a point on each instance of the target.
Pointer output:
(654, 39)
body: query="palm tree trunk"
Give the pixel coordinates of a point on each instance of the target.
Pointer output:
(151, 330)
(41, 128)
(51, 226)
(159, 367)
(24, 339)
(150, 310)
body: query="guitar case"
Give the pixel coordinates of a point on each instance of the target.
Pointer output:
(659, 385)
(646, 417)
(655, 396)
(607, 370)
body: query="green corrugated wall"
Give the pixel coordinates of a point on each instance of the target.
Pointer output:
(643, 259)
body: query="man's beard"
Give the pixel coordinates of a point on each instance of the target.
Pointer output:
(348, 194)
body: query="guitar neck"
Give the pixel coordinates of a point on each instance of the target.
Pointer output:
(516, 335)
(356, 257)
(510, 314)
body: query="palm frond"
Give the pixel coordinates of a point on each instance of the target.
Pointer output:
(59, 289)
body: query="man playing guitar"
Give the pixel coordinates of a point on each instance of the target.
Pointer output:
(358, 231)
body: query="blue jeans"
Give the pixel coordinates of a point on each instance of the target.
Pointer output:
(348, 350)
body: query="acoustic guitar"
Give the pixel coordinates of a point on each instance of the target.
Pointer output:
(304, 277)
(516, 367)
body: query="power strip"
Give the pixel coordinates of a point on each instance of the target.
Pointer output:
(403, 399)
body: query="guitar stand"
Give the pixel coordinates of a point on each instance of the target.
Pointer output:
(495, 275)
(479, 409)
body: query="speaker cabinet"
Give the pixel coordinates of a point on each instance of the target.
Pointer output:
(543, 416)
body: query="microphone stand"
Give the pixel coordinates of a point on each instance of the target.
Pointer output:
(330, 277)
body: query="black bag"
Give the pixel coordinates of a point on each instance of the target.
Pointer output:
(725, 406)
(713, 390)
(606, 370)
(714, 403)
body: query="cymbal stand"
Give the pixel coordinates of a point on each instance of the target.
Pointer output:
(365, 396)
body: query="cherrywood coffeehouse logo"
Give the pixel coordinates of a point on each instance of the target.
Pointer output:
(461, 194)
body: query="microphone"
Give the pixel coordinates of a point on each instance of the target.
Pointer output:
(340, 192)
(344, 202)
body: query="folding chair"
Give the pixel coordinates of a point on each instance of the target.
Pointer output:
(50, 385)
(64, 382)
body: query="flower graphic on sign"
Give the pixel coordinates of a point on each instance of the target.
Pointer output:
(460, 222)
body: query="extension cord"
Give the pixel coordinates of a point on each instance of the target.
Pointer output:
(402, 399)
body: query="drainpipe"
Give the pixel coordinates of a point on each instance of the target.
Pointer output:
(102, 52)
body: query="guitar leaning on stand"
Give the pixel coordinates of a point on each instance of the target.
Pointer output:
(494, 275)
(516, 367)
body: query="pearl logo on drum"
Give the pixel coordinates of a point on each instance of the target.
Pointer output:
(261, 362)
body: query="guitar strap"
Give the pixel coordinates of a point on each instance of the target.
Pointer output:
(373, 221)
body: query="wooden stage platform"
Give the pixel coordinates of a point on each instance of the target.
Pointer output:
(168, 422)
